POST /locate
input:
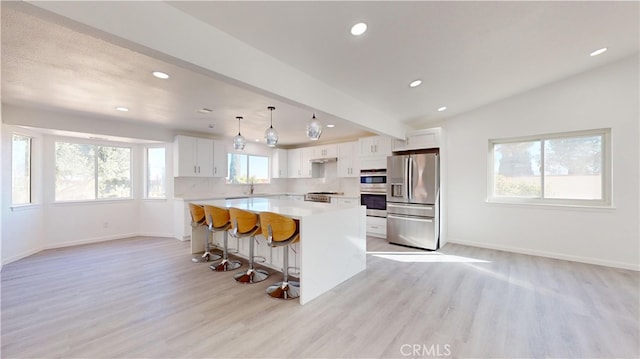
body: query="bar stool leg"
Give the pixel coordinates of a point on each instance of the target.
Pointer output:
(285, 289)
(207, 256)
(226, 265)
(251, 275)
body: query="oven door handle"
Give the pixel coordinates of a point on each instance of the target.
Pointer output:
(375, 193)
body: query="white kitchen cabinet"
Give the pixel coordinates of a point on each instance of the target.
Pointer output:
(192, 157)
(279, 163)
(326, 151)
(307, 167)
(419, 139)
(219, 159)
(377, 227)
(348, 160)
(294, 163)
(374, 151)
(375, 146)
(299, 164)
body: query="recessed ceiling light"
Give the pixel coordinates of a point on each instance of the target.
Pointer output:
(123, 109)
(415, 83)
(331, 126)
(358, 29)
(205, 110)
(440, 109)
(160, 75)
(599, 51)
(257, 140)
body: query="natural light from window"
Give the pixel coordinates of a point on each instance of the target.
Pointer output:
(156, 173)
(568, 168)
(244, 169)
(89, 172)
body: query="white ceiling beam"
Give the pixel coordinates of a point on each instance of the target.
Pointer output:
(163, 28)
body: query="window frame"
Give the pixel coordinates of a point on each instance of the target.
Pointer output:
(146, 172)
(606, 171)
(249, 155)
(30, 170)
(96, 170)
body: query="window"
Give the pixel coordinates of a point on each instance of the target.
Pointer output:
(247, 169)
(566, 168)
(88, 172)
(21, 170)
(156, 173)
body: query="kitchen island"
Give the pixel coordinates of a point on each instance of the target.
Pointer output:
(332, 244)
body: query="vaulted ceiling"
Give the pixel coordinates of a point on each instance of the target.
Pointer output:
(237, 58)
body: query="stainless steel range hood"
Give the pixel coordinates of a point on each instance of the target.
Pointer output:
(323, 160)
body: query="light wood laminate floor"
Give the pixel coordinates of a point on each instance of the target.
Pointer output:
(143, 297)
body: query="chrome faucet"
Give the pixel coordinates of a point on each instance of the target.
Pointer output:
(251, 188)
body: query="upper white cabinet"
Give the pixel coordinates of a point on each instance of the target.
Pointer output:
(299, 165)
(219, 159)
(374, 151)
(375, 146)
(348, 161)
(327, 151)
(420, 139)
(279, 163)
(192, 157)
(305, 158)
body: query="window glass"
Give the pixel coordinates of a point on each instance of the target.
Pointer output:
(243, 169)
(75, 172)
(156, 173)
(21, 170)
(517, 169)
(114, 172)
(88, 172)
(573, 168)
(564, 168)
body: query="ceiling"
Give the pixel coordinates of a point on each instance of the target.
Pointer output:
(468, 54)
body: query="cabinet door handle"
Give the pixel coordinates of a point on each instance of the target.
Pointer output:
(215, 170)
(194, 169)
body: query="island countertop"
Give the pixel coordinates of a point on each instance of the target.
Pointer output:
(294, 209)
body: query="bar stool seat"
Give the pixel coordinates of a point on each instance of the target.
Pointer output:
(218, 220)
(247, 224)
(198, 219)
(281, 231)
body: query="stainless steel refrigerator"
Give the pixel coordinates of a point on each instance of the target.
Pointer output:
(413, 196)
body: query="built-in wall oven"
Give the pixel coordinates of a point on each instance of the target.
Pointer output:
(373, 192)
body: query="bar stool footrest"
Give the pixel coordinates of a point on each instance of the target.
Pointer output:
(284, 290)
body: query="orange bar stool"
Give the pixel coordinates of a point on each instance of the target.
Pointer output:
(246, 224)
(281, 231)
(218, 220)
(198, 219)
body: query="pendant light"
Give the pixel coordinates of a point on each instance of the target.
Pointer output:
(271, 135)
(314, 129)
(239, 142)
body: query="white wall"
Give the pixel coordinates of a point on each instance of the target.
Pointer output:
(22, 226)
(607, 97)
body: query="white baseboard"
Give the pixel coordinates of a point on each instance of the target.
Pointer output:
(80, 242)
(533, 252)
(89, 240)
(11, 259)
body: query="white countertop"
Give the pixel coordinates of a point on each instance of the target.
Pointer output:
(255, 195)
(285, 207)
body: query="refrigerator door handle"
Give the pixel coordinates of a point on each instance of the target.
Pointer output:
(408, 178)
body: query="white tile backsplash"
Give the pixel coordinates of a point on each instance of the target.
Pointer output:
(190, 187)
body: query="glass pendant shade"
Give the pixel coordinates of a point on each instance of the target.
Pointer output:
(314, 128)
(239, 142)
(271, 135)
